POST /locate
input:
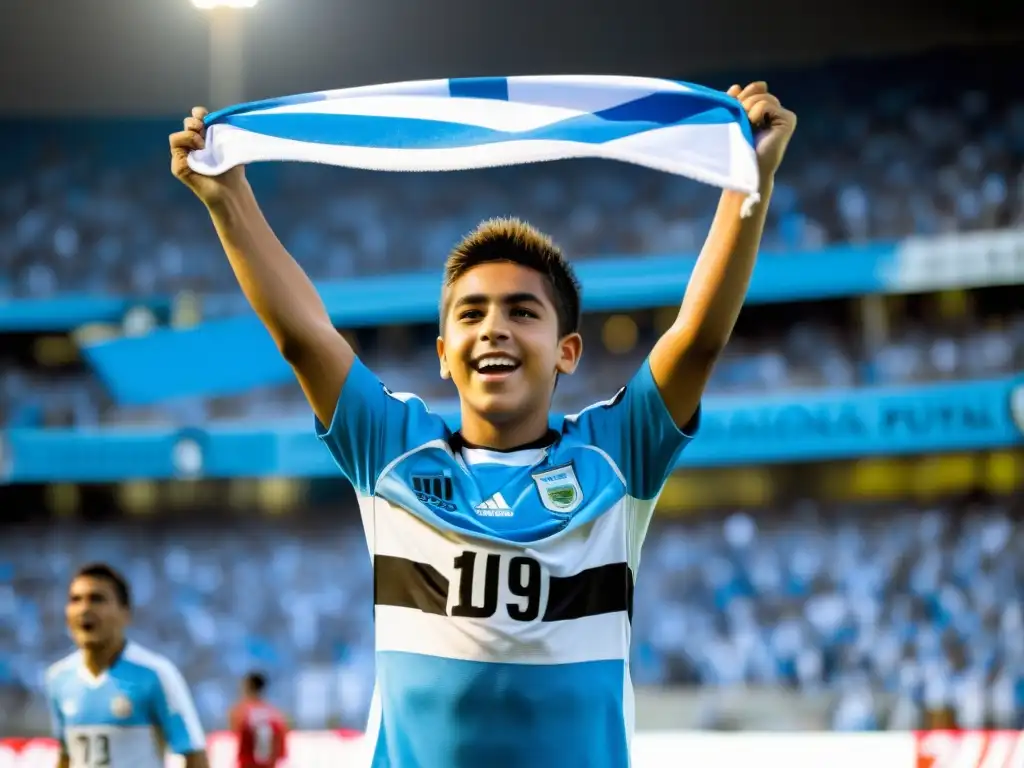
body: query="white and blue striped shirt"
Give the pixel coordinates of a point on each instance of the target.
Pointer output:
(503, 581)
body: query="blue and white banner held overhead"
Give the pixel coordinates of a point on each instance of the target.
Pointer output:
(465, 123)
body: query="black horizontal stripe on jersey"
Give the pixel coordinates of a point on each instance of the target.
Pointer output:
(407, 584)
(595, 591)
(605, 589)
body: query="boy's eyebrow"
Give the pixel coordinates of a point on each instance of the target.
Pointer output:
(510, 298)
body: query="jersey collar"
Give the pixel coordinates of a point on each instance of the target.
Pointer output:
(97, 680)
(520, 456)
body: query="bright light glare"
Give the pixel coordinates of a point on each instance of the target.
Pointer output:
(208, 5)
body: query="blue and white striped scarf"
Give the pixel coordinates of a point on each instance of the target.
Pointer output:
(459, 124)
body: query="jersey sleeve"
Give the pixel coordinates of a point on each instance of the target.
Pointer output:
(637, 433)
(56, 716)
(176, 714)
(372, 427)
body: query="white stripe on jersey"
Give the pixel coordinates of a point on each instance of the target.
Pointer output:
(396, 532)
(592, 638)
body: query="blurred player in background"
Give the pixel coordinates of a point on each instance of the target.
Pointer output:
(504, 552)
(113, 703)
(260, 728)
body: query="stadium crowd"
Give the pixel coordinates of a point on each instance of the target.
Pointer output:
(921, 145)
(895, 609)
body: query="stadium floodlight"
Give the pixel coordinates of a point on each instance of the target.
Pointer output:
(207, 5)
(227, 49)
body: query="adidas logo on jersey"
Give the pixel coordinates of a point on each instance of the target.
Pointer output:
(496, 506)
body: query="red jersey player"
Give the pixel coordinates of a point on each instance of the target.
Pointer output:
(259, 727)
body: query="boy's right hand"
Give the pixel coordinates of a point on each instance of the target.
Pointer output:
(209, 189)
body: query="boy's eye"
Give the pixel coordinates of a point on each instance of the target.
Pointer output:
(476, 314)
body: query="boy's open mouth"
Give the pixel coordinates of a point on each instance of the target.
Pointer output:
(495, 366)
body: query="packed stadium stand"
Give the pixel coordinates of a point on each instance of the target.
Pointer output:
(917, 146)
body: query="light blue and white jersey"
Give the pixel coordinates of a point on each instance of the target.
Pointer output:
(126, 717)
(503, 581)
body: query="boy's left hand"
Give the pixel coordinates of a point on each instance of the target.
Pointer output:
(773, 125)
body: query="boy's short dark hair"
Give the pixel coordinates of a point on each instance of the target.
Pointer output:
(515, 241)
(256, 682)
(110, 575)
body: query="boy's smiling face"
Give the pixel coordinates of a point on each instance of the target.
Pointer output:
(500, 342)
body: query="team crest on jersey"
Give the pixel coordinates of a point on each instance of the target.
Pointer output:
(121, 707)
(559, 489)
(69, 707)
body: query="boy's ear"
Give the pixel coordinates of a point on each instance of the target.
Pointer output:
(445, 372)
(570, 351)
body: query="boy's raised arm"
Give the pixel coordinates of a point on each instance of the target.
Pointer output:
(276, 286)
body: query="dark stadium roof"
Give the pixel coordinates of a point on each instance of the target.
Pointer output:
(150, 56)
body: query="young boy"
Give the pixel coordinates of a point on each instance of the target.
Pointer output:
(505, 553)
